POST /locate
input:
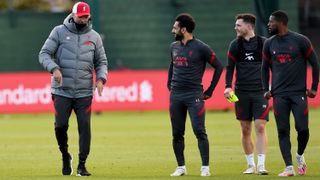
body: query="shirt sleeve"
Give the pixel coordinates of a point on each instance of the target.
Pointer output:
(170, 71)
(169, 76)
(231, 63)
(312, 57)
(213, 60)
(100, 63)
(48, 50)
(266, 65)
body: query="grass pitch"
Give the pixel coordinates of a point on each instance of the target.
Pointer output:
(137, 145)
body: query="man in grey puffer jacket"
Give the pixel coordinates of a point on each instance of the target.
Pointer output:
(72, 52)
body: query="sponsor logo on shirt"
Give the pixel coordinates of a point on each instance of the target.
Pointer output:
(249, 56)
(283, 58)
(181, 61)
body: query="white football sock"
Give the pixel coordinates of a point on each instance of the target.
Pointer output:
(250, 159)
(205, 167)
(261, 159)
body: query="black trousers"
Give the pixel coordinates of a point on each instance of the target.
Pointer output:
(282, 107)
(82, 108)
(180, 104)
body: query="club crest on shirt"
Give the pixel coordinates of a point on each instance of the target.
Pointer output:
(190, 53)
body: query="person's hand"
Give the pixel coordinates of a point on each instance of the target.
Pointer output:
(57, 76)
(267, 95)
(207, 94)
(226, 92)
(99, 86)
(311, 93)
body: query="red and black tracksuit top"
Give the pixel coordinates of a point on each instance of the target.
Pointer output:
(187, 66)
(246, 57)
(287, 58)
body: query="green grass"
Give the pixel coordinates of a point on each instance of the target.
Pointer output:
(137, 145)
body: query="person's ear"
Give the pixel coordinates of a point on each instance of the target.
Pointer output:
(183, 30)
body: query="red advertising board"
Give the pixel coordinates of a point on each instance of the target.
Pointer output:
(125, 90)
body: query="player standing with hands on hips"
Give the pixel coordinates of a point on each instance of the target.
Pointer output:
(286, 53)
(72, 53)
(189, 57)
(245, 53)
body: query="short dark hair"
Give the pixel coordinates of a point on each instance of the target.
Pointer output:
(247, 18)
(281, 16)
(187, 21)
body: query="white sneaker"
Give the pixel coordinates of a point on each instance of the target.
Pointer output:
(180, 171)
(288, 171)
(302, 166)
(261, 170)
(250, 170)
(205, 171)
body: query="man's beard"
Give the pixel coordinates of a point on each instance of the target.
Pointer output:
(273, 32)
(178, 37)
(80, 26)
(240, 36)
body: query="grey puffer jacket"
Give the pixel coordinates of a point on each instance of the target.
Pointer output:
(77, 54)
